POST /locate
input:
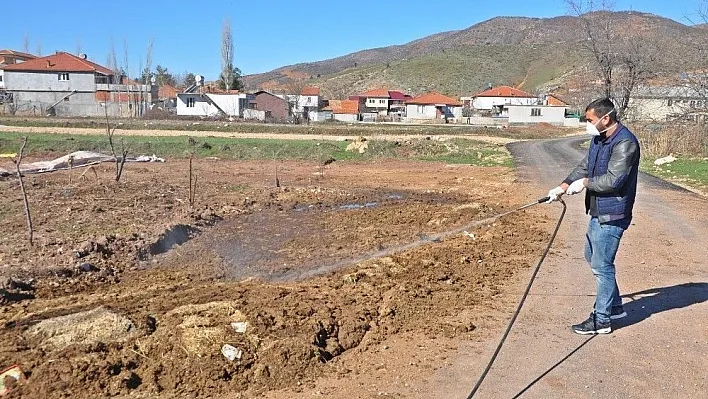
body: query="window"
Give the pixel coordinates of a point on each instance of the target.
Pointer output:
(421, 109)
(190, 102)
(382, 101)
(0, 78)
(692, 104)
(66, 98)
(669, 102)
(535, 111)
(63, 76)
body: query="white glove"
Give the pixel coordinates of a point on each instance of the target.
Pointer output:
(576, 187)
(555, 194)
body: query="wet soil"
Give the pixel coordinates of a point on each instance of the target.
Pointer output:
(129, 290)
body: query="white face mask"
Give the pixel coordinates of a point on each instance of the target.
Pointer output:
(591, 128)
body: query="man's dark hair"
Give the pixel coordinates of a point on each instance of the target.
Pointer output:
(603, 106)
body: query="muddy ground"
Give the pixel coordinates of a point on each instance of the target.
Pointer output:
(129, 290)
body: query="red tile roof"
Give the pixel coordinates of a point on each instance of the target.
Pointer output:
(310, 91)
(59, 62)
(379, 93)
(17, 54)
(434, 99)
(504, 91)
(343, 107)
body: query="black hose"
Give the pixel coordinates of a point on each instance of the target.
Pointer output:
(521, 304)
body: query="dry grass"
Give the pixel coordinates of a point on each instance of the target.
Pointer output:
(662, 140)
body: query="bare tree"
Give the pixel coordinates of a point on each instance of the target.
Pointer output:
(28, 216)
(78, 47)
(227, 54)
(126, 66)
(39, 48)
(623, 60)
(112, 60)
(148, 61)
(120, 160)
(26, 43)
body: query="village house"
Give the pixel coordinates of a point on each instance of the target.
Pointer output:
(63, 84)
(668, 103)
(382, 102)
(275, 108)
(491, 101)
(344, 110)
(210, 101)
(433, 106)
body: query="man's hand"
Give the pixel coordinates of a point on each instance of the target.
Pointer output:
(555, 194)
(576, 187)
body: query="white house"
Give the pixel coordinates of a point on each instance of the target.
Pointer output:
(433, 106)
(534, 114)
(667, 103)
(343, 110)
(212, 104)
(494, 98)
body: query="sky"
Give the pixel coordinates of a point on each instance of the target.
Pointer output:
(267, 34)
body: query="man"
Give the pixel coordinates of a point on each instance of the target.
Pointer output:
(609, 172)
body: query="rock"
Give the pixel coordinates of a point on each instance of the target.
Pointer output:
(360, 145)
(88, 268)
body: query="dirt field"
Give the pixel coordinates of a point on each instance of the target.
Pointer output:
(338, 277)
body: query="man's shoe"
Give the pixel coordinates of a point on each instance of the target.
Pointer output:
(617, 312)
(590, 326)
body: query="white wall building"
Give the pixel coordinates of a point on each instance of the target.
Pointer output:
(497, 97)
(534, 114)
(210, 104)
(668, 103)
(433, 106)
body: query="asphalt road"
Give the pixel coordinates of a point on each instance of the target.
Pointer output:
(659, 351)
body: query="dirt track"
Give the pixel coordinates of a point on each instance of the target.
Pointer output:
(283, 136)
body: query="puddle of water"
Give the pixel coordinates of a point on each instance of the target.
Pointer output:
(349, 207)
(359, 206)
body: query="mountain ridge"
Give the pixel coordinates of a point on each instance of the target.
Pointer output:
(396, 66)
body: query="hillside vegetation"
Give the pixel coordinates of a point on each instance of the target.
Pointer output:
(534, 54)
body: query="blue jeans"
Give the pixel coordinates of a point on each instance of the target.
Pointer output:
(601, 244)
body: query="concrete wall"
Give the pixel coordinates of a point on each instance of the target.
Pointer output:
(319, 116)
(345, 117)
(212, 104)
(664, 109)
(414, 111)
(487, 103)
(307, 101)
(522, 114)
(202, 105)
(39, 81)
(254, 114)
(376, 104)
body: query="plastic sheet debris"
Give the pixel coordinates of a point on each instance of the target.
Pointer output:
(76, 160)
(240, 326)
(231, 352)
